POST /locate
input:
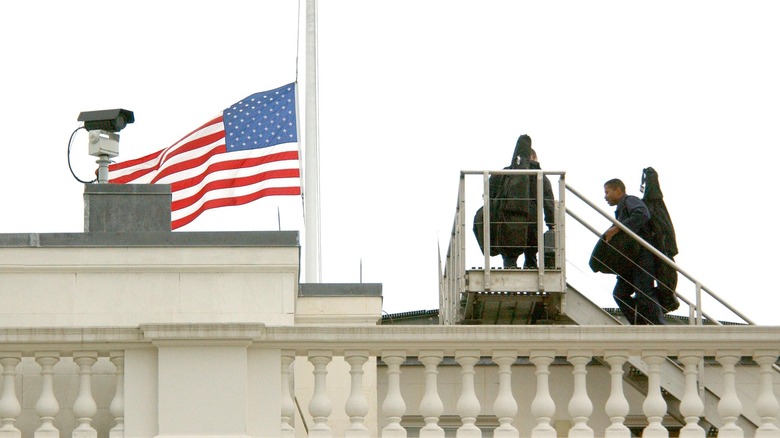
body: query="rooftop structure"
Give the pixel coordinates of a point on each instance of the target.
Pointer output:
(129, 329)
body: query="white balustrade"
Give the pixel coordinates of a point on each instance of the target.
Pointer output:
(357, 403)
(468, 404)
(729, 406)
(320, 406)
(617, 406)
(767, 406)
(543, 406)
(117, 407)
(85, 407)
(505, 405)
(287, 402)
(580, 406)
(431, 406)
(47, 406)
(654, 405)
(394, 406)
(447, 378)
(10, 408)
(691, 405)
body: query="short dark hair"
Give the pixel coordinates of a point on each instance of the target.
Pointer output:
(615, 183)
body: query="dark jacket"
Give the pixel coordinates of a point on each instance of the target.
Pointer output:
(509, 212)
(549, 197)
(634, 214)
(663, 237)
(616, 257)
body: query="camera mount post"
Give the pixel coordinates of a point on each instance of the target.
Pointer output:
(104, 145)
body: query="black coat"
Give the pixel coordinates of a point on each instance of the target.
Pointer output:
(509, 212)
(547, 192)
(663, 238)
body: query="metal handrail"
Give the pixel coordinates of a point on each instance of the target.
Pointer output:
(685, 300)
(453, 279)
(661, 256)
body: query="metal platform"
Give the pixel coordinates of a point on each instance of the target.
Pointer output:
(531, 308)
(515, 280)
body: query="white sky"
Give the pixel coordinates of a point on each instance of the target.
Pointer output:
(411, 92)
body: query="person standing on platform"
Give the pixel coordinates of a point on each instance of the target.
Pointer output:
(548, 206)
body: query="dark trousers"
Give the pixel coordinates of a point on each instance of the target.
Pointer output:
(635, 295)
(532, 247)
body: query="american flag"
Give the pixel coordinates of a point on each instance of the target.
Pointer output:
(248, 152)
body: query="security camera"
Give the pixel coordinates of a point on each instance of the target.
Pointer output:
(113, 120)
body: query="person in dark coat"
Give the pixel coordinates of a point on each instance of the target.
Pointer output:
(664, 240)
(634, 292)
(548, 206)
(509, 196)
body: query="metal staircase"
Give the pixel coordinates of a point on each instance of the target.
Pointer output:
(487, 295)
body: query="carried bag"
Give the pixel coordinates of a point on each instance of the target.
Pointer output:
(616, 256)
(479, 232)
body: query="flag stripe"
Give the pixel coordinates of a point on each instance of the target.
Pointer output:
(235, 164)
(235, 200)
(248, 152)
(166, 161)
(277, 183)
(144, 161)
(231, 183)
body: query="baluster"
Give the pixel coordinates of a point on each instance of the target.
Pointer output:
(393, 406)
(691, 405)
(357, 403)
(431, 405)
(543, 406)
(468, 404)
(766, 403)
(85, 407)
(654, 406)
(617, 406)
(47, 407)
(10, 408)
(320, 405)
(117, 407)
(729, 407)
(505, 406)
(580, 406)
(288, 404)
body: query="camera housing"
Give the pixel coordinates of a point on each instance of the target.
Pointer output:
(113, 120)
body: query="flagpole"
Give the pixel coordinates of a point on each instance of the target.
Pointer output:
(311, 175)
